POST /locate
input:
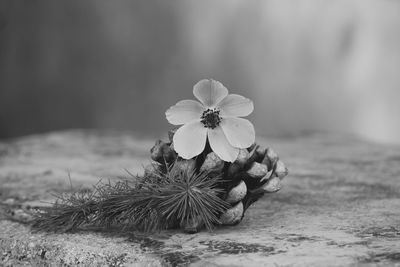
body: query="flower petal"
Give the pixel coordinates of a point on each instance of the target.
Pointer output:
(235, 106)
(239, 132)
(220, 145)
(190, 139)
(184, 111)
(209, 92)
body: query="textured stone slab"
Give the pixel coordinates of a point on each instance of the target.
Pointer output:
(339, 206)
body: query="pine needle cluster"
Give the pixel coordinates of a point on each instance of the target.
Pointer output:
(155, 201)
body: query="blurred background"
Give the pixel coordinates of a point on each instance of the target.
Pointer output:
(316, 65)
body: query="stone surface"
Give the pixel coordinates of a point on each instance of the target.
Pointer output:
(339, 206)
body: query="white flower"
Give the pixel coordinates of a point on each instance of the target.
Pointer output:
(217, 118)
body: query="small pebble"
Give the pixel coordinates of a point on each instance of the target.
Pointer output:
(9, 201)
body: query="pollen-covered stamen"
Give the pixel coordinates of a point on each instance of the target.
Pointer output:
(210, 118)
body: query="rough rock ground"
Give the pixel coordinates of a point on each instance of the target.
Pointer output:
(340, 206)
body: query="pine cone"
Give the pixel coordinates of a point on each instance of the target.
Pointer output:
(256, 171)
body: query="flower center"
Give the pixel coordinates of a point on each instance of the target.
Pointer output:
(210, 118)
